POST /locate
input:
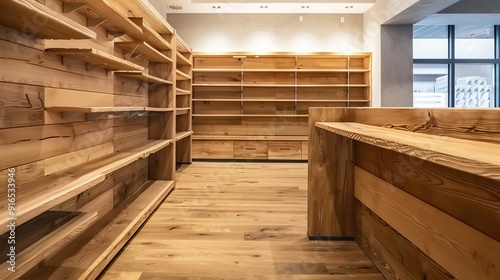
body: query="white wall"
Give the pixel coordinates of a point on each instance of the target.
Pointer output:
(269, 32)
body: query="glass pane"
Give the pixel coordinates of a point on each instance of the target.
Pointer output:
(430, 41)
(430, 85)
(473, 41)
(474, 86)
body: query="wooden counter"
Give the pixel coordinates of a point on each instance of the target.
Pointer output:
(418, 189)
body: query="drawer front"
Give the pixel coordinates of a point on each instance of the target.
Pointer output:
(208, 149)
(250, 149)
(305, 148)
(285, 150)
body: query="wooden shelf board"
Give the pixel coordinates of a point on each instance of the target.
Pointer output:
(61, 186)
(251, 137)
(180, 91)
(332, 101)
(181, 76)
(55, 25)
(141, 76)
(115, 21)
(250, 115)
(469, 156)
(182, 60)
(183, 134)
(156, 109)
(144, 9)
(275, 100)
(182, 111)
(87, 261)
(145, 49)
(151, 36)
(107, 109)
(182, 46)
(265, 70)
(281, 85)
(49, 245)
(96, 57)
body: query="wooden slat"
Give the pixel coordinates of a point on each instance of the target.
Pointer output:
(183, 134)
(113, 16)
(213, 149)
(460, 249)
(465, 155)
(107, 109)
(250, 115)
(48, 246)
(152, 36)
(91, 257)
(181, 76)
(145, 49)
(462, 195)
(144, 9)
(97, 57)
(141, 76)
(180, 91)
(182, 111)
(23, 15)
(250, 137)
(36, 197)
(21, 105)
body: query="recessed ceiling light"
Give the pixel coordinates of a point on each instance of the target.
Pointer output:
(215, 7)
(175, 7)
(263, 7)
(305, 7)
(349, 7)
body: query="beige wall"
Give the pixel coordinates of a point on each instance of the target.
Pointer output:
(270, 32)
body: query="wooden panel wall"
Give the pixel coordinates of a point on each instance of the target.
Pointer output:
(415, 219)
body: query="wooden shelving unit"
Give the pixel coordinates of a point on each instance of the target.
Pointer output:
(144, 50)
(96, 59)
(56, 25)
(103, 144)
(141, 76)
(107, 14)
(183, 112)
(237, 94)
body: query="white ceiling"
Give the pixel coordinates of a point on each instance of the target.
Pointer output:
(262, 6)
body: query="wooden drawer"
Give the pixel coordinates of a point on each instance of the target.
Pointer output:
(305, 148)
(250, 149)
(208, 149)
(285, 150)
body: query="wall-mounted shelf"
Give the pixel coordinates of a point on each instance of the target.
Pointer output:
(96, 59)
(251, 137)
(182, 60)
(108, 109)
(18, 14)
(183, 134)
(236, 94)
(141, 76)
(143, 48)
(154, 38)
(144, 9)
(51, 243)
(182, 111)
(181, 76)
(62, 186)
(107, 14)
(180, 91)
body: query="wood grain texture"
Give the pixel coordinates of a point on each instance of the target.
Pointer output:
(392, 253)
(462, 195)
(24, 15)
(323, 181)
(462, 250)
(20, 105)
(243, 221)
(464, 155)
(86, 257)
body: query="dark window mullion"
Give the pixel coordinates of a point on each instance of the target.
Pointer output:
(451, 66)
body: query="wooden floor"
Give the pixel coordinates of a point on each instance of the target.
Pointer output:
(237, 221)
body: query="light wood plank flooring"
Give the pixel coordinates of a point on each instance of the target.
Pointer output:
(237, 221)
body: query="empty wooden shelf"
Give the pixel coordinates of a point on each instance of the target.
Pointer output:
(89, 259)
(144, 9)
(49, 245)
(141, 76)
(180, 91)
(183, 134)
(180, 76)
(108, 14)
(155, 39)
(96, 58)
(56, 26)
(144, 49)
(181, 59)
(40, 196)
(251, 137)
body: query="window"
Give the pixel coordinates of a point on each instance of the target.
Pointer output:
(456, 66)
